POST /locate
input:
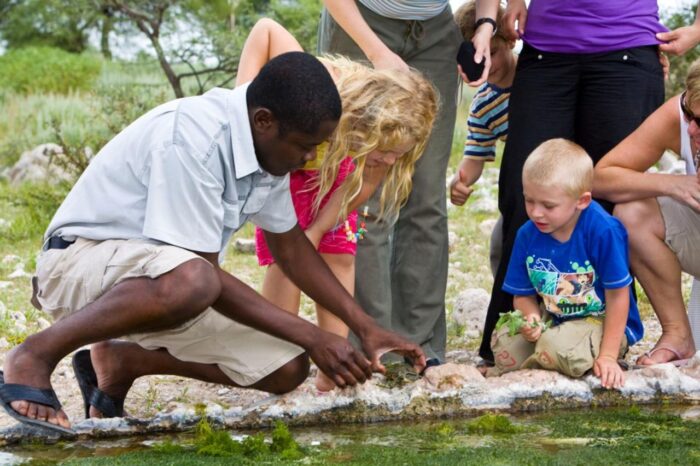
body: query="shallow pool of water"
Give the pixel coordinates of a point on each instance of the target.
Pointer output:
(646, 435)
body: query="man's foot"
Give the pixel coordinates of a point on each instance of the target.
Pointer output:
(667, 351)
(24, 368)
(92, 395)
(113, 362)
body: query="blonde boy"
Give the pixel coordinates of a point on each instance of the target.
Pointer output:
(488, 113)
(570, 259)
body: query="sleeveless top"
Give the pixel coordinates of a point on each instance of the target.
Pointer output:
(691, 166)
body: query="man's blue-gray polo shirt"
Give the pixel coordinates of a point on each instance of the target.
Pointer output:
(184, 173)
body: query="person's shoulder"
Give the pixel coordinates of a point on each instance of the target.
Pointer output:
(598, 222)
(527, 232)
(202, 119)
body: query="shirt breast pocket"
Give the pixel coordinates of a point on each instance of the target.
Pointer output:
(256, 200)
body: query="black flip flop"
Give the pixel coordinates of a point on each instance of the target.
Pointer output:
(10, 392)
(93, 396)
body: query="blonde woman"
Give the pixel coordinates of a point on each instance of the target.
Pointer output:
(387, 118)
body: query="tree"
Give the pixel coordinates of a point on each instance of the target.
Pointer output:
(55, 23)
(200, 42)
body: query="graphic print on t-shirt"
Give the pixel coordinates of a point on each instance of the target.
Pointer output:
(565, 294)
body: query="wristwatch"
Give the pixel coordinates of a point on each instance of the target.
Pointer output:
(481, 21)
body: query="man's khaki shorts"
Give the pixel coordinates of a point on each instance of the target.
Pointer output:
(682, 233)
(69, 279)
(570, 348)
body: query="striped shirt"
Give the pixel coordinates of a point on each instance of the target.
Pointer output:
(487, 122)
(407, 9)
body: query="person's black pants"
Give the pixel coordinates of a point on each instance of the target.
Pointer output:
(595, 100)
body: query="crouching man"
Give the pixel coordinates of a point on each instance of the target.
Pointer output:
(133, 253)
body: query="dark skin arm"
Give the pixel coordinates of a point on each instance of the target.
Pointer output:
(304, 266)
(335, 356)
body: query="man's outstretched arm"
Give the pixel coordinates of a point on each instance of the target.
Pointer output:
(304, 266)
(335, 356)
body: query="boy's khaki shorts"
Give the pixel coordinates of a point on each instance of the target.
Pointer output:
(570, 348)
(68, 279)
(682, 233)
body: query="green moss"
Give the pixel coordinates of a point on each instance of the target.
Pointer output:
(283, 444)
(492, 424)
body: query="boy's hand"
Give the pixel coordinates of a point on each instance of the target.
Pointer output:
(532, 330)
(459, 191)
(609, 371)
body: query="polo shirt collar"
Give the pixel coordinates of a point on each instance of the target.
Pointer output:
(244, 160)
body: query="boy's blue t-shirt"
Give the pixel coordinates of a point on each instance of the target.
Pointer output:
(571, 277)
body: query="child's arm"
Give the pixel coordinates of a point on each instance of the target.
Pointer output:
(617, 303)
(531, 311)
(468, 173)
(266, 40)
(327, 217)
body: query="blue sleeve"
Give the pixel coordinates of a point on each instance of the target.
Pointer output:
(608, 248)
(517, 281)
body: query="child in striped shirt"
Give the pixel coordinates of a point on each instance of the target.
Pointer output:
(488, 113)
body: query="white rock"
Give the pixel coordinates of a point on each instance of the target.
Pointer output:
(18, 316)
(35, 165)
(43, 323)
(4, 284)
(452, 240)
(451, 375)
(10, 258)
(486, 227)
(245, 245)
(484, 204)
(19, 272)
(470, 308)
(223, 391)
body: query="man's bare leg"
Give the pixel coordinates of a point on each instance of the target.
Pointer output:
(659, 272)
(118, 363)
(134, 306)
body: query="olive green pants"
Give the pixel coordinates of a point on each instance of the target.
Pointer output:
(402, 266)
(570, 348)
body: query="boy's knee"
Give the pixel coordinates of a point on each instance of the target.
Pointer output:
(567, 352)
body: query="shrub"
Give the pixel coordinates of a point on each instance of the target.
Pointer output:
(32, 70)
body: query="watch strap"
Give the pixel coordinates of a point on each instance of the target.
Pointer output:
(490, 21)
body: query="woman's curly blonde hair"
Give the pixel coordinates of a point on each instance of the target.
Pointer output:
(382, 109)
